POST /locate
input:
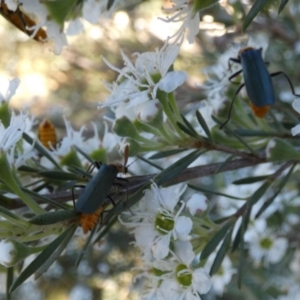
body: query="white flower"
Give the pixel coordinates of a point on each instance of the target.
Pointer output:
(13, 133)
(184, 12)
(174, 277)
(156, 221)
(264, 244)
(140, 82)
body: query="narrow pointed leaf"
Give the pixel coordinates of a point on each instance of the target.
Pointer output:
(189, 126)
(224, 164)
(282, 184)
(241, 261)
(149, 162)
(250, 180)
(233, 133)
(167, 153)
(105, 229)
(87, 243)
(9, 281)
(255, 9)
(204, 190)
(186, 130)
(259, 192)
(177, 167)
(55, 255)
(282, 4)
(58, 175)
(54, 217)
(215, 241)
(250, 133)
(204, 125)
(40, 259)
(43, 198)
(221, 254)
(11, 217)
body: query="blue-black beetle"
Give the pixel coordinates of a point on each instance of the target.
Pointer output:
(91, 202)
(257, 81)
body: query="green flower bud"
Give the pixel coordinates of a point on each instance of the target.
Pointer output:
(71, 159)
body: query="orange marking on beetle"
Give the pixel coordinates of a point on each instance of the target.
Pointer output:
(259, 111)
(21, 20)
(46, 134)
(88, 221)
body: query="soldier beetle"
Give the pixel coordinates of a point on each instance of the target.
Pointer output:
(257, 81)
(91, 202)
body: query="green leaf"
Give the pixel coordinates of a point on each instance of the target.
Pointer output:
(283, 182)
(60, 10)
(167, 153)
(224, 163)
(241, 261)
(215, 241)
(282, 4)
(176, 168)
(204, 125)
(53, 257)
(240, 233)
(80, 172)
(11, 217)
(105, 229)
(186, 130)
(54, 217)
(43, 198)
(250, 180)
(251, 133)
(59, 175)
(259, 192)
(40, 259)
(203, 4)
(87, 243)
(221, 254)
(9, 281)
(189, 126)
(213, 192)
(109, 4)
(233, 133)
(149, 162)
(40, 148)
(281, 150)
(255, 9)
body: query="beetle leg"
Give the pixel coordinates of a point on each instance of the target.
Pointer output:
(236, 60)
(231, 105)
(288, 79)
(234, 75)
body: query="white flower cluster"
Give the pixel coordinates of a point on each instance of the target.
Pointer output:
(162, 234)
